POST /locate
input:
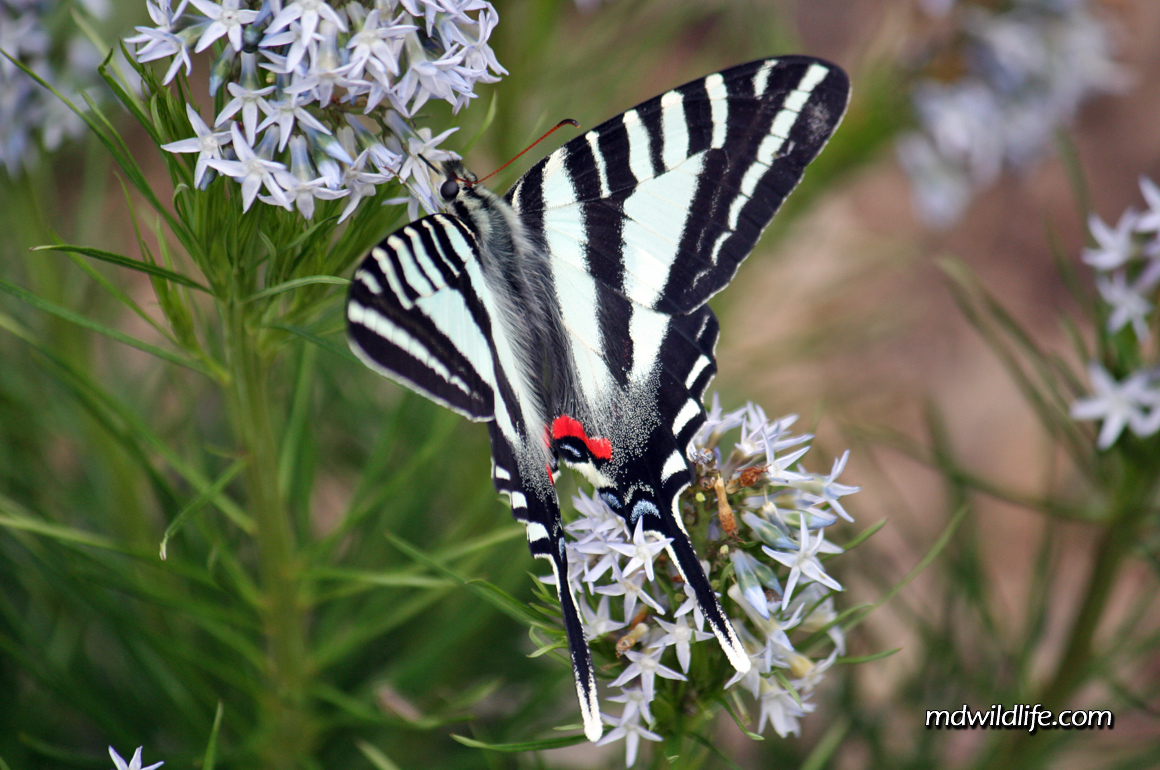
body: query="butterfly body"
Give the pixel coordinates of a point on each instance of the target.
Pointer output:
(570, 316)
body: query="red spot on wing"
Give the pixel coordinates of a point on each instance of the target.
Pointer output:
(548, 467)
(568, 427)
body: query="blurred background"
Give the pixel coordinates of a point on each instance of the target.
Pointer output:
(845, 315)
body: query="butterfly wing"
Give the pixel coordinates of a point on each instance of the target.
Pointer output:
(645, 217)
(414, 315)
(662, 203)
(421, 312)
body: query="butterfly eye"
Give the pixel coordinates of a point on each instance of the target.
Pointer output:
(449, 189)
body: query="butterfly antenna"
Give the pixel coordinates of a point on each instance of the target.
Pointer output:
(549, 132)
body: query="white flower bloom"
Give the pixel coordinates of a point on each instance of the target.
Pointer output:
(134, 764)
(679, 635)
(636, 705)
(1127, 303)
(226, 19)
(600, 622)
(1116, 245)
(1027, 67)
(831, 490)
(644, 548)
(249, 103)
(285, 113)
(631, 732)
(804, 563)
(206, 143)
(632, 589)
(251, 171)
(1149, 221)
(647, 666)
(359, 183)
(780, 709)
(1117, 404)
(332, 61)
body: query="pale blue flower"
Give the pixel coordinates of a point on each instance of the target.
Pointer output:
(206, 143)
(252, 171)
(225, 19)
(133, 764)
(1116, 245)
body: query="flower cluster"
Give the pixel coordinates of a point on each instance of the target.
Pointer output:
(41, 35)
(1020, 73)
(763, 521)
(1127, 264)
(305, 80)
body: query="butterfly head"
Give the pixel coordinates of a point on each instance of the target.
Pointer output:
(457, 178)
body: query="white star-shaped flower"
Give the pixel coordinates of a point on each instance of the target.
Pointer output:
(646, 665)
(804, 563)
(1116, 245)
(133, 764)
(206, 143)
(599, 622)
(635, 703)
(642, 551)
(1117, 404)
(780, 709)
(631, 732)
(1149, 220)
(631, 587)
(226, 19)
(248, 101)
(679, 634)
(250, 170)
(1127, 302)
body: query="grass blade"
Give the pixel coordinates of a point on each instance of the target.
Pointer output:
(64, 313)
(123, 261)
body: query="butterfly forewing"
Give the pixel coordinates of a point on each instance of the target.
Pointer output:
(663, 202)
(571, 314)
(414, 315)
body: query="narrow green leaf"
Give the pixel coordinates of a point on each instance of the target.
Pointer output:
(714, 750)
(199, 502)
(123, 261)
(376, 756)
(864, 535)
(321, 342)
(853, 661)
(505, 602)
(540, 745)
(121, 296)
(49, 307)
(210, 759)
(494, 595)
(13, 517)
(291, 285)
(824, 749)
(393, 578)
(729, 709)
(137, 435)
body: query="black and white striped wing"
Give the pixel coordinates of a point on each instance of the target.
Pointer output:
(415, 315)
(662, 203)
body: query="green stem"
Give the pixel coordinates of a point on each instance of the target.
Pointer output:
(1076, 664)
(285, 726)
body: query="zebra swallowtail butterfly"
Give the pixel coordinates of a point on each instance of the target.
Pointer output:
(569, 315)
